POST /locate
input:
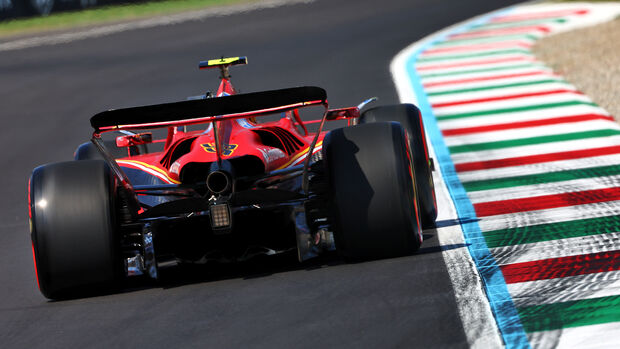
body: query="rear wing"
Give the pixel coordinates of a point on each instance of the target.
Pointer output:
(203, 111)
(207, 110)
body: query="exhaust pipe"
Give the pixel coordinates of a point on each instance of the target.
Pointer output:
(219, 182)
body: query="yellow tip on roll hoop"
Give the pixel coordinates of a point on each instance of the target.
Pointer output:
(213, 63)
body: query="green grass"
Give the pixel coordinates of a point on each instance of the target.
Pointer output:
(105, 14)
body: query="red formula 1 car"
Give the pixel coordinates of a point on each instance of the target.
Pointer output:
(226, 185)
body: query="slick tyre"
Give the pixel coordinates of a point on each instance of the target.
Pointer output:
(410, 118)
(88, 151)
(373, 198)
(74, 231)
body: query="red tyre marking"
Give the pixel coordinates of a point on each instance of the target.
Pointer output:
(36, 270)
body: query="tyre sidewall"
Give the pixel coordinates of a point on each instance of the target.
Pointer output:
(372, 190)
(409, 116)
(74, 233)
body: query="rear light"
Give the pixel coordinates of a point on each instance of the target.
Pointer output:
(220, 216)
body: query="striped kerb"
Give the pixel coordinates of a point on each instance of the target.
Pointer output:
(540, 163)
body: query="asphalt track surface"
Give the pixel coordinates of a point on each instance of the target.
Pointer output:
(47, 95)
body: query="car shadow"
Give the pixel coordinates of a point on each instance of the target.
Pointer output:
(453, 222)
(437, 249)
(257, 267)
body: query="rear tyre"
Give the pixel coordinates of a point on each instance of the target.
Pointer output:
(410, 118)
(74, 230)
(373, 197)
(88, 151)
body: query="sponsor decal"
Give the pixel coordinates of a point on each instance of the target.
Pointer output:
(227, 149)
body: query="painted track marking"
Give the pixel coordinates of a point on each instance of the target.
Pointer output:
(539, 159)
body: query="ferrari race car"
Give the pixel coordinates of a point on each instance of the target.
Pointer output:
(227, 177)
